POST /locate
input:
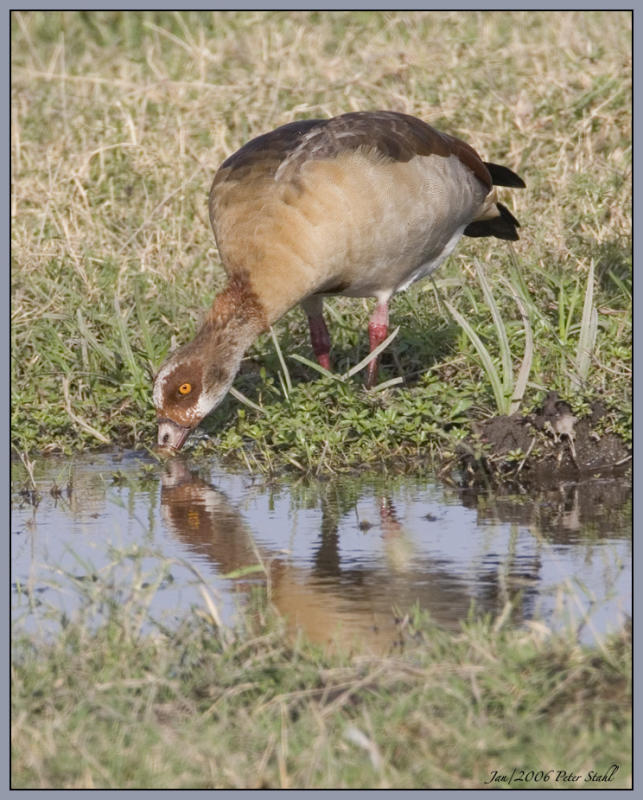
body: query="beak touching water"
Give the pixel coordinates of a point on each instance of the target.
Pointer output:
(171, 435)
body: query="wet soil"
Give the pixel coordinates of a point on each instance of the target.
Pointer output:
(543, 448)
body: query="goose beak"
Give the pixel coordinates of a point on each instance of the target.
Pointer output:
(171, 435)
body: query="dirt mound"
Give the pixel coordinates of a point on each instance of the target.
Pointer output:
(547, 446)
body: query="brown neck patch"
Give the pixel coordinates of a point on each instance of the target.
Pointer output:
(238, 303)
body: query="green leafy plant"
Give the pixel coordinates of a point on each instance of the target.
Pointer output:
(508, 393)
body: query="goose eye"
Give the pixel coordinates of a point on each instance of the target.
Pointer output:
(185, 388)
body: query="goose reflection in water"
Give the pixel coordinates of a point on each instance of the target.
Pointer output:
(330, 598)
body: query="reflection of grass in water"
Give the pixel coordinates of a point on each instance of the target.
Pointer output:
(133, 701)
(89, 595)
(575, 602)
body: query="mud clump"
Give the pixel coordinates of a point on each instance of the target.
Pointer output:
(544, 447)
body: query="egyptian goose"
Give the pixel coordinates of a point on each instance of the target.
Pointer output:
(362, 205)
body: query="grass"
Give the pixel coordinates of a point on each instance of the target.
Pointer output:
(119, 121)
(133, 702)
(507, 392)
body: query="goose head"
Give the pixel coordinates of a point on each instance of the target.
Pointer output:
(197, 376)
(190, 385)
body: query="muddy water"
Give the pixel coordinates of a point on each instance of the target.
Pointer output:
(342, 559)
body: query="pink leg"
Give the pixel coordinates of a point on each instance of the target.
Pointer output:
(320, 339)
(377, 332)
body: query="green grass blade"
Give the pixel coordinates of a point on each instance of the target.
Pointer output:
(317, 367)
(587, 337)
(104, 353)
(519, 285)
(487, 363)
(573, 300)
(373, 354)
(284, 368)
(246, 401)
(243, 571)
(561, 313)
(387, 384)
(503, 341)
(527, 358)
(143, 325)
(127, 353)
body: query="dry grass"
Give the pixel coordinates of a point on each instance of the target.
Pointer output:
(109, 707)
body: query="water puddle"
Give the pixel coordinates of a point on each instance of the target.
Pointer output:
(338, 556)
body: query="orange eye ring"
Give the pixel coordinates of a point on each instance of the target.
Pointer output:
(185, 388)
